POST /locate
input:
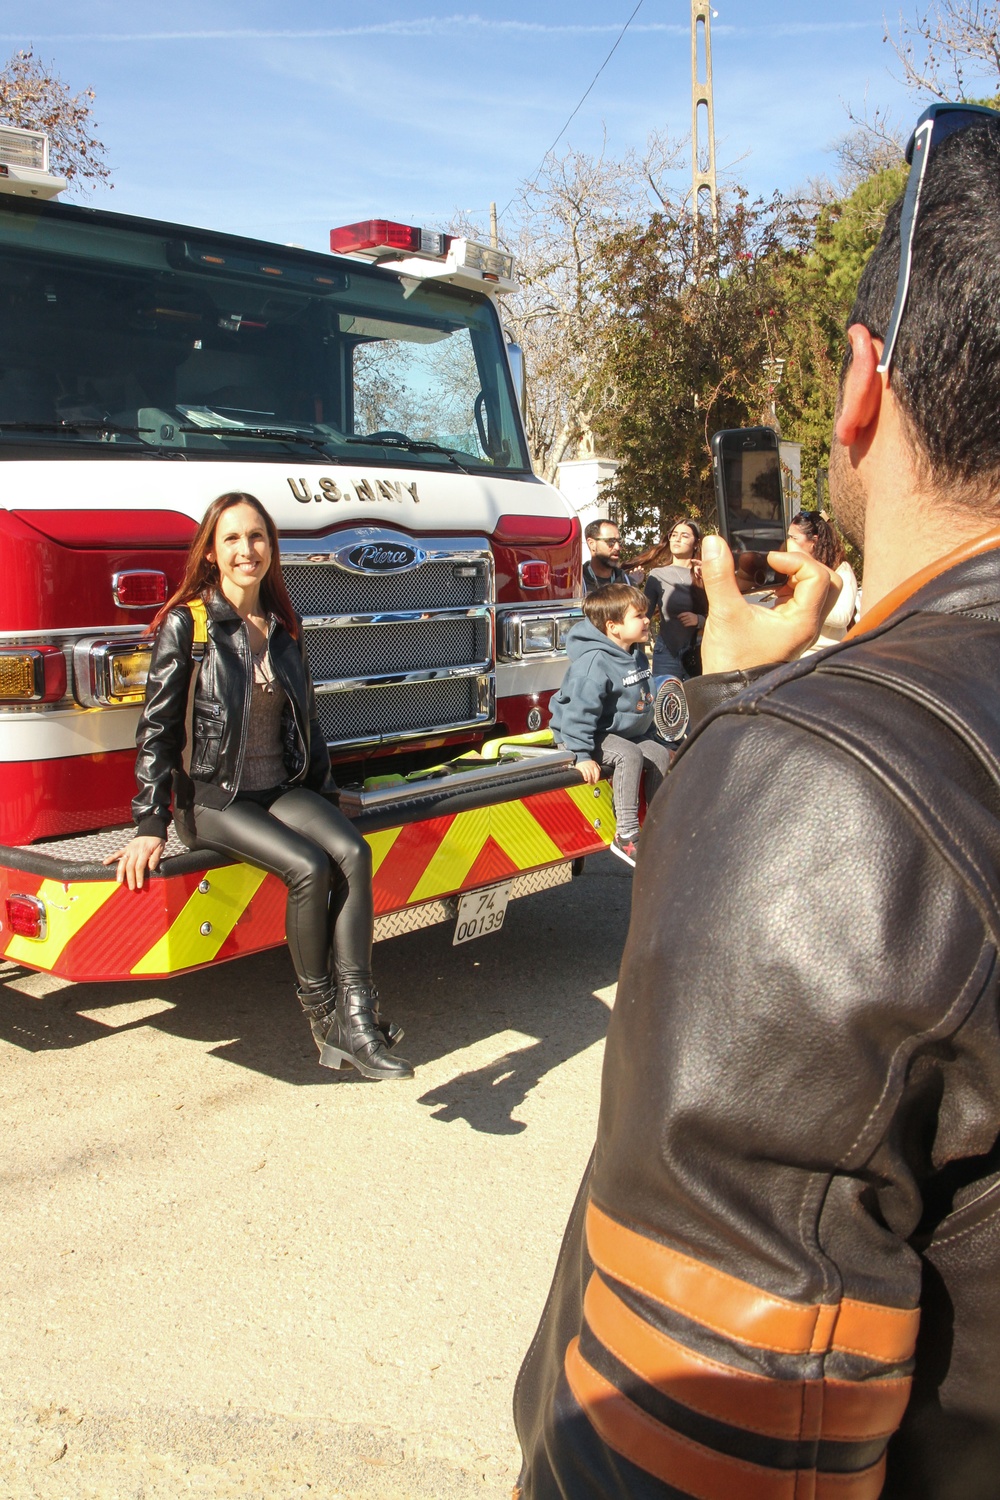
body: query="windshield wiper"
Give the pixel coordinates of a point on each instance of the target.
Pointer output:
(412, 445)
(269, 434)
(105, 428)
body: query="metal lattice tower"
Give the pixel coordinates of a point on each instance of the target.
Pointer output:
(704, 191)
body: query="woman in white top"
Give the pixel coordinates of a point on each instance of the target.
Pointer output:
(812, 534)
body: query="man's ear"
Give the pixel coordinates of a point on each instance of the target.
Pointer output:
(861, 390)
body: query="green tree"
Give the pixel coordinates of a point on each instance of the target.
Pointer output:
(33, 97)
(817, 289)
(687, 350)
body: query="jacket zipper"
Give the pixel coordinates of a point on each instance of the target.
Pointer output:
(291, 700)
(247, 696)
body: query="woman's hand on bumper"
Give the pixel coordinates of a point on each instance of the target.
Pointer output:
(142, 853)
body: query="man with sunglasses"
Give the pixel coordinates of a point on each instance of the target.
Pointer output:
(605, 543)
(781, 1277)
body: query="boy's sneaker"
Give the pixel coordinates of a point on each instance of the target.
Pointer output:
(626, 848)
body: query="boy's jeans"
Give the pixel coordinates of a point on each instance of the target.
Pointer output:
(625, 760)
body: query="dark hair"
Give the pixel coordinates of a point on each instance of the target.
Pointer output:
(659, 554)
(609, 605)
(201, 576)
(656, 556)
(827, 546)
(946, 365)
(592, 530)
(694, 528)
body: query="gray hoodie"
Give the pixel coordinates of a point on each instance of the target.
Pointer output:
(605, 691)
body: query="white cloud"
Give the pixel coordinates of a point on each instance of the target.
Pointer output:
(439, 26)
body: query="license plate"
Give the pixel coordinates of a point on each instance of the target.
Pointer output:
(480, 912)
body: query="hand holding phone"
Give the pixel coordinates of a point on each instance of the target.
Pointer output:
(755, 574)
(739, 635)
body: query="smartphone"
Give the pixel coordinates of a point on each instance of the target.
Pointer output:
(753, 518)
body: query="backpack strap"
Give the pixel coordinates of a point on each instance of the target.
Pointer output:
(199, 646)
(199, 615)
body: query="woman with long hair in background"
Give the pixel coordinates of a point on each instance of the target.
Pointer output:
(674, 591)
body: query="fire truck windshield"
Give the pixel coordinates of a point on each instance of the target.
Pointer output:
(121, 337)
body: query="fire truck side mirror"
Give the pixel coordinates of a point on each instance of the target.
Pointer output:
(515, 358)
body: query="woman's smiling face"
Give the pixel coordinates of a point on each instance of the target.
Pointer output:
(240, 548)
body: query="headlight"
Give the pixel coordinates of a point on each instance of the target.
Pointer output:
(537, 635)
(522, 635)
(111, 674)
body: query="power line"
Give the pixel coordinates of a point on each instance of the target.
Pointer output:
(581, 102)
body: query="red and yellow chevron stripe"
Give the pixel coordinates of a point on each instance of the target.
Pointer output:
(97, 930)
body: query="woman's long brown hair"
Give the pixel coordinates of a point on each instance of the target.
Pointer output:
(201, 577)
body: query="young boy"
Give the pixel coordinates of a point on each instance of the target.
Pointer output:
(604, 709)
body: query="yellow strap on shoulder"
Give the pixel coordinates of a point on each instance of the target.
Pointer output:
(199, 615)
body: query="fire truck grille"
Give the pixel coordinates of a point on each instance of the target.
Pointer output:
(326, 590)
(372, 712)
(396, 646)
(327, 596)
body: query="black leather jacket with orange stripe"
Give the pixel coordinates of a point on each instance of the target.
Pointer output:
(792, 1215)
(219, 720)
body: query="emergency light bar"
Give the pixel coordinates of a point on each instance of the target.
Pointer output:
(24, 164)
(427, 254)
(375, 238)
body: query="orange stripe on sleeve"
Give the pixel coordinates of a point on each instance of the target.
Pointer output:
(792, 1410)
(737, 1309)
(689, 1466)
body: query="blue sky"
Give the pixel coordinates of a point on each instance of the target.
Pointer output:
(283, 120)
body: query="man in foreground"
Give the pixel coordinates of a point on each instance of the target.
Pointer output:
(781, 1278)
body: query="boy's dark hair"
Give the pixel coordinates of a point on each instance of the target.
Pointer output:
(946, 364)
(609, 604)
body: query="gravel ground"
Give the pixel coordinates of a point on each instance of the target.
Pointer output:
(228, 1272)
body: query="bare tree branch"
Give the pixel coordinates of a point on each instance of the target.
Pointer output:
(875, 144)
(949, 45)
(33, 97)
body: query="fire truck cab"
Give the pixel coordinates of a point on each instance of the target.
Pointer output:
(366, 397)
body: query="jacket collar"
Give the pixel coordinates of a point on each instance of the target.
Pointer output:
(931, 589)
(219, 608)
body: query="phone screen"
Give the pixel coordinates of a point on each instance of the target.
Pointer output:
(748, 490)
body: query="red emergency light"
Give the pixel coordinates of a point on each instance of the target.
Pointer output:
(533, 574)
(139, 588)
(26, 916)
(384, 237)
(521, 531)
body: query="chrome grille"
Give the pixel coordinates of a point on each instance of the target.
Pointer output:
(396, 646)
(371, 713)
(440, 624)
(326, 590)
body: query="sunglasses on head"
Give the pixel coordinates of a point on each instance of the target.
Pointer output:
(934, 126)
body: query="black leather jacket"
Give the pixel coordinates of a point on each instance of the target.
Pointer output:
(221, 705)
(793, 1209)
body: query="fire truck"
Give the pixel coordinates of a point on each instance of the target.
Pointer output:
(368, 398)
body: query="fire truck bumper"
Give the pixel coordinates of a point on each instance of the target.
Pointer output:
(431, 843)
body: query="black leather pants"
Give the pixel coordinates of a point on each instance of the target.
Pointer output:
(324, 862)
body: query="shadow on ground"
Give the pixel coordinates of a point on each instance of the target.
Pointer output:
(537, 977)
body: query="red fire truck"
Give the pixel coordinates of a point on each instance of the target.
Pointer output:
(367, 397)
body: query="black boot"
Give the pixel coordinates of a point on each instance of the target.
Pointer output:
(355, 1036)
(319, 1007)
